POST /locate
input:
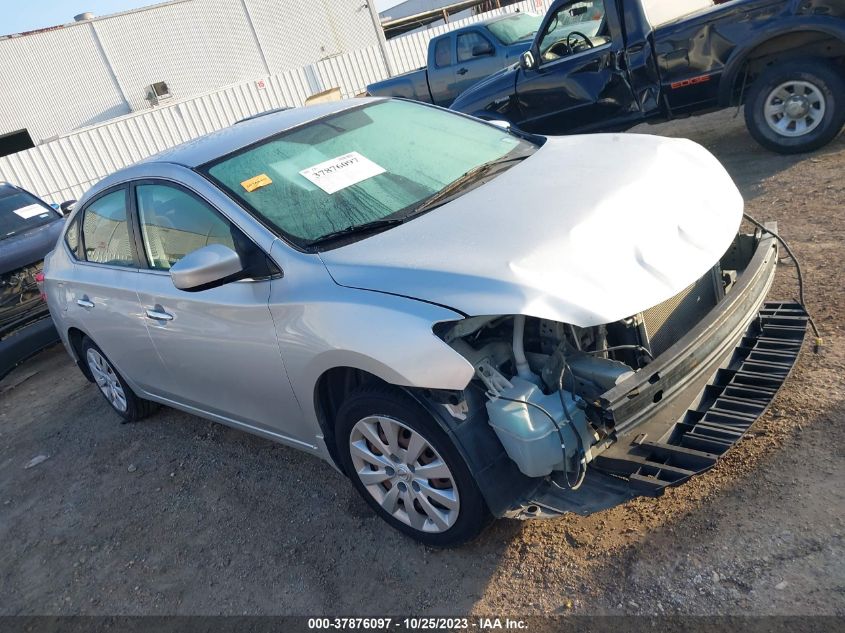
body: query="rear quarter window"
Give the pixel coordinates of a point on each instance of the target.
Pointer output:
(443, 53)
(105, 231)
(72, 238)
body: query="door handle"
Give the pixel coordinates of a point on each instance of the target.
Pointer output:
(463, 71)
(84, 303)
(157, 315)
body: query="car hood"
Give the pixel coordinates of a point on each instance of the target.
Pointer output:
(587, 230)
(29, 247)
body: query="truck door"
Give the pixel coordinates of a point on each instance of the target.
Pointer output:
(441, 70)
(579, 81)
(476, 58)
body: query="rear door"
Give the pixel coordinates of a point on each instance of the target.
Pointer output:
(101, 295)
(218, 347)
(440, 72)
(580, 82)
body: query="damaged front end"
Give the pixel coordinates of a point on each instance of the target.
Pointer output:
(584, 418)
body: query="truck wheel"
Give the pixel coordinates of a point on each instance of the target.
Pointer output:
(407, 468)
(117, 393)
(797, 106)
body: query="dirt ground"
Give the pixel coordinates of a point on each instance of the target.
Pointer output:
(176, 515)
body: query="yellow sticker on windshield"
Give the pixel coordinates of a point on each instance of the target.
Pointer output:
(261, 180)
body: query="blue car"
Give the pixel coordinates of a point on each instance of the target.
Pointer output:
(29, 228)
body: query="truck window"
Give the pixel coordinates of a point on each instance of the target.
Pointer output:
(566, 31)
(473, 41)
(442, 54)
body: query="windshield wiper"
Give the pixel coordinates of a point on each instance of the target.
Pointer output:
(473, 174)
(356, 229)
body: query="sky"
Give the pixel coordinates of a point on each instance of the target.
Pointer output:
(38, 14)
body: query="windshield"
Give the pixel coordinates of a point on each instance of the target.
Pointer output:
(21, 211)
(383, 160)
(519, 27)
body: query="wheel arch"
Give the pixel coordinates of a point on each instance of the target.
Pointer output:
(75, 337)
(335, 384)
(790, 42)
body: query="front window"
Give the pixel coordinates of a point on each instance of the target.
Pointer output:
(472, 45)
(21, 211)
(574, 28)
(175, 223)
(387, 160)
(519, 27)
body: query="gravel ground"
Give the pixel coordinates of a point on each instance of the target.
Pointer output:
(177, 515)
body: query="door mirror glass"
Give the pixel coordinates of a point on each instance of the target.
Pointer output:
(67, 206)
(527, 61)
(207, 267)
(482, 50)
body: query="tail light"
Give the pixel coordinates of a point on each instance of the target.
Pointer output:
(39, 279)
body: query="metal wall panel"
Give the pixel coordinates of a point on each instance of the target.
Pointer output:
(192, 46)
(64, 168)
(54, 82)
(298, 32)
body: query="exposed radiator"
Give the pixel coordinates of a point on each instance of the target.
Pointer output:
(666, 322)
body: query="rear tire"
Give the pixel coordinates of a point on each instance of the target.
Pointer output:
(113, 388)
(796, 106)
(407, 468)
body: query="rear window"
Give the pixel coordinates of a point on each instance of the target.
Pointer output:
(442, 53)
(105, 231)
(21, 211)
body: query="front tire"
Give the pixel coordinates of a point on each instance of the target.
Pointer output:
(796, 106)
(406, 467)
(114, 389)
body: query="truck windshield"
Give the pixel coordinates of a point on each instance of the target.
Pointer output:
(21, 211)
(359, 167)
(518, 27)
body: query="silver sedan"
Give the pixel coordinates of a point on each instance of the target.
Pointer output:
(464, 319)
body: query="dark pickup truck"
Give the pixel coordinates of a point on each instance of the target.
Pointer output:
(458, 59)
(652, 60)
(29, 229)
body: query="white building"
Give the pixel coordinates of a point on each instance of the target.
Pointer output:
(59, 79)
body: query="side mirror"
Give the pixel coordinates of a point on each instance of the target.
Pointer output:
(481, 50)
(67, 206)
(505, 125)
(527, 61)
(206, 267)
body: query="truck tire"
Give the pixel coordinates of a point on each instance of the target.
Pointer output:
(796, 106)
(407, 469)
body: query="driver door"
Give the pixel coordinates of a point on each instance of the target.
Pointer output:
(579, 82)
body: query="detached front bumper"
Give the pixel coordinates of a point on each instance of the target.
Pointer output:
(674, 418)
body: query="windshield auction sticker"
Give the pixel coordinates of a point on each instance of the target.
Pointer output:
(30, 211)
(342, 172)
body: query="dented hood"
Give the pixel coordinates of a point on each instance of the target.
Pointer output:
(587, 230)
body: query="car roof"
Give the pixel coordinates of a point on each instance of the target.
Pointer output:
(249, 131)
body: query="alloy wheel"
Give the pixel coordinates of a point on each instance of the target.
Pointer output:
(404, 473)
(106, 379)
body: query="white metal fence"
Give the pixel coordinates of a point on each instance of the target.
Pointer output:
(65, 167)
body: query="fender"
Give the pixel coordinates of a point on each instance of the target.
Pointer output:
(789, 26)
